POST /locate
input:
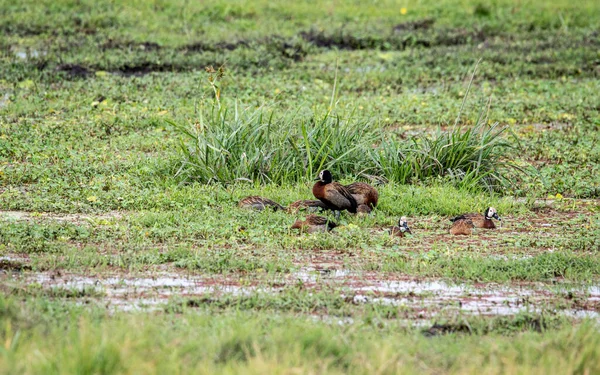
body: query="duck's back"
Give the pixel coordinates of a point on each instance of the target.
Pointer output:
(461, 227)
(258, 203)
(335, 196)
(478, 220)
(364, 193)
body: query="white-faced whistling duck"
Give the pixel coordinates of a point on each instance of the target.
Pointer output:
(259, 203)
(479, 220)
(335, 195)
(461, 227)
(314, 224)
(306, 204)
(364, 193)
(401, 228)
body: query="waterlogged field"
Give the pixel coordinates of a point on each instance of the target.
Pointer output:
(130, 130)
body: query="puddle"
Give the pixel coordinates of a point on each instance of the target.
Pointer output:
(366, 69)
(4, 100)
(432, 90)
(28, 54)
(423, 299)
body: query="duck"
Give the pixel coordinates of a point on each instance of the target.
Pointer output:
(314, 224)
(480, 221)
(306, 204)
(363, 209)
(364, 193)
(462, 227)
(334, 195)
(259, 203)
(401, 228)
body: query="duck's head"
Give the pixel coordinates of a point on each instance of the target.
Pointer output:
(403, 225)
(363, 209)
(325, 176)
(490, 213)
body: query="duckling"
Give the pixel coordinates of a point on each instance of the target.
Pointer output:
(314, 224)
(258, 203)
(401, 228)
(364, 193)
(462, 227)
(305, 204)
(333, 194)
(481, 221)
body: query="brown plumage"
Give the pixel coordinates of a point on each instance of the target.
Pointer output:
(258, 203)
(364, 193)
(363, 209)
(462, 227)
(400, 229)
(334, 195)
(306, 204)
(479, 220)
(314, 224)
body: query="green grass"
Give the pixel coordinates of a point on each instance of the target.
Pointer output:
(233, 145)
(140, 124)
(235, 342)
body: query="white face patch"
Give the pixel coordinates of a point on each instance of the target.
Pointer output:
(403, 224)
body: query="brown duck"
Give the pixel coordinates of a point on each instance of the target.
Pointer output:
(480, 221)
(400, 229)
(363, 209)
(333, 194)
(258, 203)
(314, 224)
(461, 227)
(306, 204)
(364, 193)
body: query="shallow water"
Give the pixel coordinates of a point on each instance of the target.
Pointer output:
(427, 298)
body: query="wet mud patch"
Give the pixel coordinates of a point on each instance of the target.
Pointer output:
(145, 68)
(423, 24)
(421, 299)
(13, 264)
(214, 47)
(130, 45)
(417, 34)
(74, 70)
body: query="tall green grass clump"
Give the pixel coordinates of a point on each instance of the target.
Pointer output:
(469, 157)
(227, 146)
(254, 145)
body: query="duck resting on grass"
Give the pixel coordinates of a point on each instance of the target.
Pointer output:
(401, 228)
(258, 203)
(314, 224)
(461, 227)
(479, 220)
(306, 204)
(364, 193)
(334, 195)
(363, 209)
